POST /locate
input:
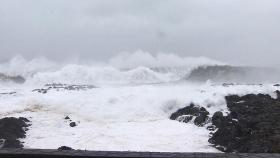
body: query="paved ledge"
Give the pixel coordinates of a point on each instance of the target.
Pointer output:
(46, 153)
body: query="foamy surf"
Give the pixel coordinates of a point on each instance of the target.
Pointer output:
(127, 109)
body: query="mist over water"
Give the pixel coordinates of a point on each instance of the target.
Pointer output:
(137, 67)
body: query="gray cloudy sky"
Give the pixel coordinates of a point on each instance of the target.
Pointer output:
(237, 31)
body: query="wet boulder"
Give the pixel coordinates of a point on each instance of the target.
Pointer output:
(73, 124)
(12, 129)
(192, 112)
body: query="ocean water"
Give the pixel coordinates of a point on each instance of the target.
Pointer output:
(128, 110)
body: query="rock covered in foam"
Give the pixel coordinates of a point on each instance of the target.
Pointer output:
(11, 129)
(59, 86)
(188, 113)
(253, 125)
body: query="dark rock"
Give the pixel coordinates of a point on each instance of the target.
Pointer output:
(186, 114)
(211, 128)
(8, 93)
(276, 85)
(228, 84)
(252, 126)
(73, 124)
(233, 74)
(185, 119)
(43, 91)
(67, 118)
(11, 129)
(59, 86)
(218, 119)
(64, 148)
(278, 94)
(200, 120)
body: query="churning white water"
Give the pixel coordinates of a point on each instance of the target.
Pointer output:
(128, 110)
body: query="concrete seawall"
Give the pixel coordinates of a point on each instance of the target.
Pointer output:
(43, 153)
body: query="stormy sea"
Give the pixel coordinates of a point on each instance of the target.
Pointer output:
(139, 102)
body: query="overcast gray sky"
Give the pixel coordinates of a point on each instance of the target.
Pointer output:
(236, 31)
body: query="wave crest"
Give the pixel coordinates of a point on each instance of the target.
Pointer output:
(125, 68)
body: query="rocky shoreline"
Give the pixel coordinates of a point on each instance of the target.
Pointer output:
(251, 126)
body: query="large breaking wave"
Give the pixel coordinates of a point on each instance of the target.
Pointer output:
(135, 68)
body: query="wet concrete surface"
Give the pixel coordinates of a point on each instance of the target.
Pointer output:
(44, 153)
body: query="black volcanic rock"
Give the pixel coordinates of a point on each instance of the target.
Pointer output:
(218, 119)
(65, 148)
(186, 114)
(59, 86)
(252, 126)
(277, 94)
(11, 129)
(73, 124)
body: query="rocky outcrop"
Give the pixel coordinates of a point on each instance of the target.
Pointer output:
(252, 126)
(11, 129)
(59, 86)
(233, 74)
(199, 115)
(15, 79)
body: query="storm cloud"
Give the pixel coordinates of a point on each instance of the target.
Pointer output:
(235, 31)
